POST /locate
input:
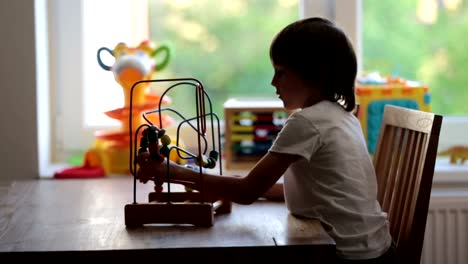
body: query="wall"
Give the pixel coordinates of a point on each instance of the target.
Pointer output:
(18, 133)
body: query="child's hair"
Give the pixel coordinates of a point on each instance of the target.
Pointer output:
(322, 56)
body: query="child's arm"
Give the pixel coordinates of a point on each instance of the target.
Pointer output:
(275, 193)
(239, 189)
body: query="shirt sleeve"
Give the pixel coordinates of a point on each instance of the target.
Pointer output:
(298, 137)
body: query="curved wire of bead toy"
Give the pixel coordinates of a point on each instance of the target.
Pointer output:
(154, 141)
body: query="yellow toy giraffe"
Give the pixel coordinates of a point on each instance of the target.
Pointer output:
(456, 153)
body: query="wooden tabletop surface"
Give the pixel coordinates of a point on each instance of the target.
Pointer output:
(87, 216)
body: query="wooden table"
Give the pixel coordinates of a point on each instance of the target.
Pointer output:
(75, 219)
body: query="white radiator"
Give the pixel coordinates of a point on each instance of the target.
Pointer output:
(446, 236)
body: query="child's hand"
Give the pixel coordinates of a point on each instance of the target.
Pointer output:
(150, 169)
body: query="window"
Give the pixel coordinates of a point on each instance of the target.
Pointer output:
(226, 49)
(82, 90)
(420, 41)
(73, 52)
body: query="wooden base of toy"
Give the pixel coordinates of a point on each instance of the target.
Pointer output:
(184, 208)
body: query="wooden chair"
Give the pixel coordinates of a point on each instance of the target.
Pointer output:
(404, 162)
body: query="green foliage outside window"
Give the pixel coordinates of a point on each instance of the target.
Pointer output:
(224, 44)
(422, 41)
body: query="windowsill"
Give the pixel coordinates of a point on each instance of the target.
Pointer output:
(49, 171)
(450, 176)
(450, 180)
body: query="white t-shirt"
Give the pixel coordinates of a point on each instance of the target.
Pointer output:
(335, 180)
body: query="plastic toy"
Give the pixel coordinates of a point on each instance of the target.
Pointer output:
(456, 154)
(182, 207)
(251, 127)
(109, 152)
(373, 92)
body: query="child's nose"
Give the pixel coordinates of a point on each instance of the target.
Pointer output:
(273, 81)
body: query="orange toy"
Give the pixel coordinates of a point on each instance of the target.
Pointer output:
(110, 150)
(458, 154)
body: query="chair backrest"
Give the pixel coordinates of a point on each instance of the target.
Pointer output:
(404, 162)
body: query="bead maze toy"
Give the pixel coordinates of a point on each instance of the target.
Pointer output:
(251, 127)
(373, 92)
(166, 206)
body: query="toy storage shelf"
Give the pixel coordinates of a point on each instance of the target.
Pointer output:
(251, 125)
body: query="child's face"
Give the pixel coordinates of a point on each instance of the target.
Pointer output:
(291, 89)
